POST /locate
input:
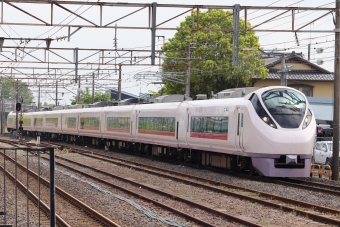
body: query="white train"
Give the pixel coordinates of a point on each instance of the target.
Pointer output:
(270, 130)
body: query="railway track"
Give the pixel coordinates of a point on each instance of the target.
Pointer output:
(267, 199)
(297, 183)
(72, 210)
(188, 215)
(15, 208)
(192, 217)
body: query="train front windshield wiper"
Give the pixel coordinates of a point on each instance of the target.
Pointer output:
(272, 109)
(293, 108)
(286, 114)
(296, 109)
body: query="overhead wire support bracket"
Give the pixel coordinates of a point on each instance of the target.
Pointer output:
(236, 24)
(70, 34)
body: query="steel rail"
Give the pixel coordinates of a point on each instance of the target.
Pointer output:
(330, 189)
(172, 196)
(44, 207)
(176, 174)
(222, 191)
(95, 214)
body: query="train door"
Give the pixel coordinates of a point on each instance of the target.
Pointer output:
(239, 115)
(188, 129)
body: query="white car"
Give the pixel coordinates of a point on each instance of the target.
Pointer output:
(323, 152)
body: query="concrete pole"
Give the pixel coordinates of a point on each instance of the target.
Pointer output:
(16, 112)
(236, 26)
(187, 81)
(93, 87)
(38, 96)
(79, 90)
(283, 70)
(153, 33)
(56, 94)
(120, 84)
(2, 110)
(335, 163)
(76, 65)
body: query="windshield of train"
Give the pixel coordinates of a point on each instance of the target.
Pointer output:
(286, 106)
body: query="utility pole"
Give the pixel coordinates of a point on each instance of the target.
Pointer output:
(335, 161)
(120, 84)
(93, 87)
(16, 112)
(236, 26)
(153, 32)
(76, 64)
(38, 97)
(56, 93)
(78, 90)
(2, 110)
(187, 81)
(283, 71)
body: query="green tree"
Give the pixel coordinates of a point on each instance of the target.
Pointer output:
(159, 92)
(211, 54)
(9, 87)
(86, 97)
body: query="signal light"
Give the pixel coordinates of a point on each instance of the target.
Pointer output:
(18, 106)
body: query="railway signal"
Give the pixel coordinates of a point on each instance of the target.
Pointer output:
(20, 126)
(18, 106)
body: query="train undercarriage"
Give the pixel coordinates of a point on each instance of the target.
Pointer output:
(199, 158)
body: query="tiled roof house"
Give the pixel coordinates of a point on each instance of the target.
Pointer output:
(308, 77)
(314, 81)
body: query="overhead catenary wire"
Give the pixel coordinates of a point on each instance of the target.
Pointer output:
(126, 67)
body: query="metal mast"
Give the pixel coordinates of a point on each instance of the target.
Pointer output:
(335, 164)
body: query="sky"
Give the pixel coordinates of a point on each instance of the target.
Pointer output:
(98, 38)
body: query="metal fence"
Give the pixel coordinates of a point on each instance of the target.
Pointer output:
(10, 210)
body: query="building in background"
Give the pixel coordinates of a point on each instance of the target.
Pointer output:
(314, 81)
(125, 95)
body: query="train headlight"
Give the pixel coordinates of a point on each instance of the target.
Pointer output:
(307, 119)
(268, 121)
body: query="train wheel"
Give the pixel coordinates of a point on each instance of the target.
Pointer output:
(147, 150)
(251, 170)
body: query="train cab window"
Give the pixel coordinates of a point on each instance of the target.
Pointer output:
(261, 112)
(287, 106)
